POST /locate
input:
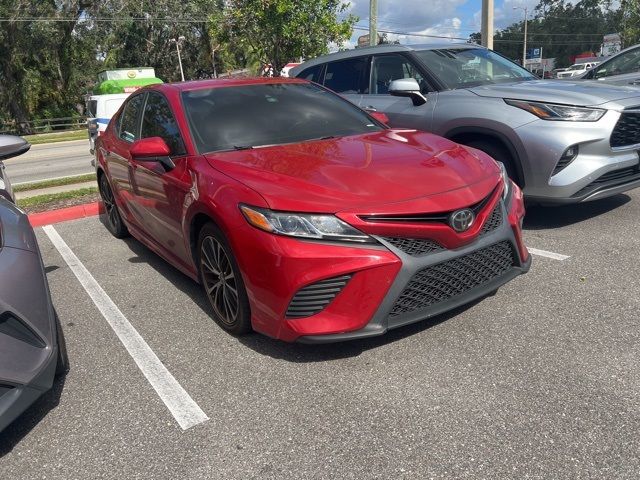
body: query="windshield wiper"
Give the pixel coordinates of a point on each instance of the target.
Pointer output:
(243, 147)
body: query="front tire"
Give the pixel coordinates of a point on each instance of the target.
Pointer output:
(113, 220)
(498, 153)
(222, 282)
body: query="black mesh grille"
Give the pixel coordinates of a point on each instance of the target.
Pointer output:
(494, 220)
(314, 298)
(626, 131)
(414, 246)
(449, 279)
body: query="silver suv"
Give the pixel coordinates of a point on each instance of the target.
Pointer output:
(562, 141)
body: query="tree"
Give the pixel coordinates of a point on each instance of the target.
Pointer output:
(630, 22)
(281, 31)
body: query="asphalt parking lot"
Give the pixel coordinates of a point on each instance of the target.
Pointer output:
(540, 381)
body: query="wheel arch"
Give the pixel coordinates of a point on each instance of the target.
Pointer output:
(463, 135)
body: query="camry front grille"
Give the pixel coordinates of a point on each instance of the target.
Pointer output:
(627, 130)
(414, 246)
(446, 280)
(494, 220)
(314, 298)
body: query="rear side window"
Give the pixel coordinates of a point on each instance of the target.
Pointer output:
(129, 124)
(347, 76)
(158, 121)
(312, 74)
(387, 68)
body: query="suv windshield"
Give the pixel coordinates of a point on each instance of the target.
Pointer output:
(247, 116)
(470, 67)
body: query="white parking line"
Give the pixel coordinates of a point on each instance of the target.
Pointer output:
(544, 253)
(184, 409)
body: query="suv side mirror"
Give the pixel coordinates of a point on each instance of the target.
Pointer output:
(152, 149)
(12, 146)
(407, 87)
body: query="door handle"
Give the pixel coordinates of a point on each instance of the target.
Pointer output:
(370, 108)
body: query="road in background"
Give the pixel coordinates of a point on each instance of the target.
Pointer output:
(50, 160)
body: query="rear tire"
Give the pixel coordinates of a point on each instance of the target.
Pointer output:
(499, 153)
(222, 282)
(113, 220)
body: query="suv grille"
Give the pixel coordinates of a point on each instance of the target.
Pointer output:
(314, 298)
(626, 131)
(414, 246)
(449, 279)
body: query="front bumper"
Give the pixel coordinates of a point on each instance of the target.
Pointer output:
(386, 319)
(277, 271)
(585, 177)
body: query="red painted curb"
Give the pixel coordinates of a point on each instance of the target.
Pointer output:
(66, 214)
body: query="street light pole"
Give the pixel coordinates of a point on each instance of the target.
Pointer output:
(179, 41)
(524, 48)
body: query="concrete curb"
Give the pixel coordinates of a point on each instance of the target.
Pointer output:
(66, 214)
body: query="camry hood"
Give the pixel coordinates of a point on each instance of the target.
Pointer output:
(581, 92)
(405, 168)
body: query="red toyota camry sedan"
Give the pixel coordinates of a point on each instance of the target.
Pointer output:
(302, 216)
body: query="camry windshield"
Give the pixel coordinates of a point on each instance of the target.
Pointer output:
(251, 116)
(470, 67)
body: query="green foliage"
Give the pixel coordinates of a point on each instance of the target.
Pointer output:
(630, 22)
(280, 31)
(562, 28)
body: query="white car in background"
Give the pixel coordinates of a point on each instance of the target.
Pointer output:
(577, 69)
(100, 109)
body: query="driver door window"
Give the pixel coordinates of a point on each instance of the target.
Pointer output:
(158, 121)
(387, 68)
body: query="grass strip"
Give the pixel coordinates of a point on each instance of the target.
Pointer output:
(39, 200)
(55, 182)
(56, 137)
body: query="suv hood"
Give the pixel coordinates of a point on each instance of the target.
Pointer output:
(400, 169)
(581, 93)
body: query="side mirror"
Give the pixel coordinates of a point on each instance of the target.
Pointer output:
(12, 146)
(381, 117)
(407, 87)
(152, 149)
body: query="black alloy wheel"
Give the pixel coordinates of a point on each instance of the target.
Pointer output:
(113, 221)
(222, 283)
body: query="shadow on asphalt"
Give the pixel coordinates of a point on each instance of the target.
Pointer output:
(22, 425)
(291, 352)
(542, 218)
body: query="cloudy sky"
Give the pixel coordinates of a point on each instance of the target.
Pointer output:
(448, 18)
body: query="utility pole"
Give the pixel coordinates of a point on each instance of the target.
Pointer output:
(524, 47)
(373, 22)
(486, 30)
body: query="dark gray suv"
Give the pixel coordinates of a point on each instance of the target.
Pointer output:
(562, 141)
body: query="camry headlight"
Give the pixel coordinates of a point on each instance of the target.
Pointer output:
(506, 183)
(303, 225)
(552, 111)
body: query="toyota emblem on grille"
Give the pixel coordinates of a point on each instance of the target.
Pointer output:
(461, 220)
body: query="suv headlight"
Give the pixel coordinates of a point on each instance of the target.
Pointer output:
(303, 225)
(506, 183)
(552, 111)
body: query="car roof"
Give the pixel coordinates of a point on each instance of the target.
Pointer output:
(221, 82)
(386, 48)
